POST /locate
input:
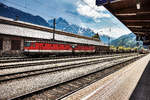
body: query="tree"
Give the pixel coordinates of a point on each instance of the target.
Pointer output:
(96, 36)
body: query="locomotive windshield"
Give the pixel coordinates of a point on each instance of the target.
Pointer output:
(27, 44)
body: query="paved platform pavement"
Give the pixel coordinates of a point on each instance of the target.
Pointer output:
(142, 90)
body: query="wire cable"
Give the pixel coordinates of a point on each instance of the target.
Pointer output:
(26, 7)
(101, 18)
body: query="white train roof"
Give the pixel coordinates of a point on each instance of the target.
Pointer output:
(23, 29)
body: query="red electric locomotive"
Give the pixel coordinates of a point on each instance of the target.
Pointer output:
(46, 48)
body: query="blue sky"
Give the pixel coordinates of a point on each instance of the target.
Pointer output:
(81, 12)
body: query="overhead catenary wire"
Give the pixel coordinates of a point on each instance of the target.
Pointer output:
(24, 6)
(51, 17)
(99, 12)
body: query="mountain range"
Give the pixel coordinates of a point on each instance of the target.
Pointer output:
(11, 12)
(63, 25)
(106, 39)
(128, 40)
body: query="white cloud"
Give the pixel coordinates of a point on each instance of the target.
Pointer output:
(88, 8)
(114, 32)
(98, 20)
(92, 4)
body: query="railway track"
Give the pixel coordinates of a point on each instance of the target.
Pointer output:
(48, 61)
(26, 73)
(23, 59)
(53, 66)
(10, 80)
(7, 58)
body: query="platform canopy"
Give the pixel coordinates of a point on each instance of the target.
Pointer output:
(135, 14)
(102, 2)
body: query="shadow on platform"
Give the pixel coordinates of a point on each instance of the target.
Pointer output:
(142, 90)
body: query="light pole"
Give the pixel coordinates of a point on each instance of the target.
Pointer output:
(109, 41)
(54, 27)
(109, 37)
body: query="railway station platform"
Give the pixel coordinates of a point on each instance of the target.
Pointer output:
(142, 90)
(131, 82)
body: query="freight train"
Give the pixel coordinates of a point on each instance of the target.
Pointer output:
(59, 48)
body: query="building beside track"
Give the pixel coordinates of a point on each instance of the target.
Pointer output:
(14, 33)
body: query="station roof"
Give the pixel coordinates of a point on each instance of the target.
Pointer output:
(135, 14)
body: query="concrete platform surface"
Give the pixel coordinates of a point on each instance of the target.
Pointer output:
(117, 86)
(142, 90)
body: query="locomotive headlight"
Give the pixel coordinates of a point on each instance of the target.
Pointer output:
(73, 46)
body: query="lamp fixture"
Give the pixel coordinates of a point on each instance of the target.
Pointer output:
(138, 5)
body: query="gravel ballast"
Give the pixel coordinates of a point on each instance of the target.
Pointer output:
(22, 86)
